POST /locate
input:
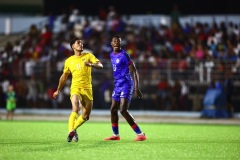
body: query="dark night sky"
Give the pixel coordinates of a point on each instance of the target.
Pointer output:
(90, 7)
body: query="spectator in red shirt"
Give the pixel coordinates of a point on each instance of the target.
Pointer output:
(162, 94)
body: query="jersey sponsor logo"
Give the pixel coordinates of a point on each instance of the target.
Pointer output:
(117, 60)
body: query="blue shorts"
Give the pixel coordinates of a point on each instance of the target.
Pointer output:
(125, 91)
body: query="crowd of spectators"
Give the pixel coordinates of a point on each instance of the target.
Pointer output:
(216, 45)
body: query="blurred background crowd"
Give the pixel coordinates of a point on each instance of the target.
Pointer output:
(177, 62)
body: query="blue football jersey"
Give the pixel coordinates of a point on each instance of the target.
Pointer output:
(120, 64)
(123, 82)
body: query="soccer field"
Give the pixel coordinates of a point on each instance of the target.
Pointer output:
(47, 140)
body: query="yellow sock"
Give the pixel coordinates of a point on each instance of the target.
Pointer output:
(79, 122)
(72, 118)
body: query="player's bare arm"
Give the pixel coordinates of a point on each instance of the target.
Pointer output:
(134, 72)
(62, 82)
(97, 65)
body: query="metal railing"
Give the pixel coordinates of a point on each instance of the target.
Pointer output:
(187, 84)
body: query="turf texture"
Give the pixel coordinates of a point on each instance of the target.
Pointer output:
(36, 140)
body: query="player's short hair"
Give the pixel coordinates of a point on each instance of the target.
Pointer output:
(73, 41)
(116, 36)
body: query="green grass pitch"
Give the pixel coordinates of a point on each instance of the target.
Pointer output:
(36, 140)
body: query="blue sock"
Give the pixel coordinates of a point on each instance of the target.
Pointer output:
(136, 129)
(115, 128)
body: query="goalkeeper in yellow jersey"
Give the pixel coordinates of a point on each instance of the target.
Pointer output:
(79, 66)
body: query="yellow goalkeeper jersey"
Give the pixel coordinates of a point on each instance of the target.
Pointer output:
(81, 74)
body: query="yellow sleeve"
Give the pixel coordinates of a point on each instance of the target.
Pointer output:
(93, 59)
(66, 67)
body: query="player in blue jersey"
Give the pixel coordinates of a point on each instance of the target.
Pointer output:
(124, 86)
